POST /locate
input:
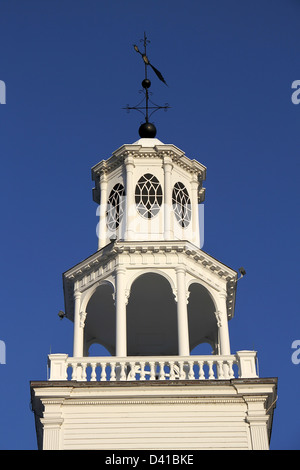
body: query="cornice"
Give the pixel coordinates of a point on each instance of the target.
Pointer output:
(158, 151)
(115, 249)
(175, 246)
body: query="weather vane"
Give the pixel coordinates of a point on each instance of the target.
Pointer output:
(146, 106)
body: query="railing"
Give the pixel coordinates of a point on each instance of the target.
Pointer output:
(111, 368)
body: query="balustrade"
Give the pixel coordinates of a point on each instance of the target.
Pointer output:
(112, 368)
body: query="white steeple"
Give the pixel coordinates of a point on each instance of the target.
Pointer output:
(150, 295)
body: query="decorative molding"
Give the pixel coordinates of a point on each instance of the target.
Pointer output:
(218, 314)
(82, 316)
(138, 152)
(154, 401)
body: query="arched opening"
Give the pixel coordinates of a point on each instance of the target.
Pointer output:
(100, 322)
(203, 329)
(202, 349)
(97, 349)
(151, 317)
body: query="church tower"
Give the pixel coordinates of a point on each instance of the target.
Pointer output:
(150, 295)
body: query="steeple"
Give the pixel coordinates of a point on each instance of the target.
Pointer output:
(150, 297)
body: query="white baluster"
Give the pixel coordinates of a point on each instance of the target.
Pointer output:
(142, 375)
(211, 371)
(191, 375)
(230, 371)
(93, 374)
(83, 371)
(113, 372)
(131, 375)
(123, 373)
(161, 371)
(201, 371)
(172, 373)
(152, 370)
(181, 370)
(103, 372)
(74, 370)
(220, 370)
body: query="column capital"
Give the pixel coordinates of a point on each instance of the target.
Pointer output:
(180, 269)
(129, 160)
(167, 160)
(77, 294)
(120, 269)
(194, 180)
(103, 178)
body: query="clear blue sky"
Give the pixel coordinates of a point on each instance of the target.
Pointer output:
(69, 68)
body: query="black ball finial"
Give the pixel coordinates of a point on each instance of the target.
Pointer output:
(146, 83)
(147, 130)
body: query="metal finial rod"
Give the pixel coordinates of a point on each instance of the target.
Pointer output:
(146, 83)
(145, 53)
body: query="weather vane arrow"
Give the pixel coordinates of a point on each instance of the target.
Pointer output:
(147, 129)
(146, 61)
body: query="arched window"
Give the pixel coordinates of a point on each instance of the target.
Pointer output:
(148, 196)
(181, 204)
(115, 207)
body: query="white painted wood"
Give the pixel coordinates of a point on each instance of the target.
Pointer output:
(156, 417)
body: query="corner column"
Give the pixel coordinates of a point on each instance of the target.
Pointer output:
(101, 232)
(78, 326)
(167, 165)
(222, 322)
(52, 422)
(194, 208)
(182, 315)
(130, 206)
(120, 302)
(258, 423)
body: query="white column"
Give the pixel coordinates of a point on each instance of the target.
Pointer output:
(258, 422)
(182, 315)
(221, 314)
(120, 302)
(78, 330)
(129, 194)
(195, 212)
(167, 164)
(102, 230)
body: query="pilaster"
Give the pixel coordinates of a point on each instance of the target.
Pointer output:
(167, 165)
(129, 196)
(102, 231)
(52, 422)
(258, 420)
